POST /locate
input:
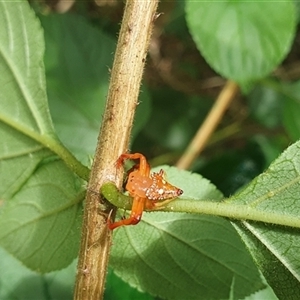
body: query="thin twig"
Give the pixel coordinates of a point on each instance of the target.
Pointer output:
(207, 128)
(113, 140)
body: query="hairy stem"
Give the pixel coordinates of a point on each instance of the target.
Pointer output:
(224, 209)
(113, 140)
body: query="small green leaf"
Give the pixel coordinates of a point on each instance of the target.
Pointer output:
(243, 41)
(182, 256)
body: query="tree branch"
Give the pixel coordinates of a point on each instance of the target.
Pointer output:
(112, 141)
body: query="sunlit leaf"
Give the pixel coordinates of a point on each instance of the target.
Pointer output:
(243, 41)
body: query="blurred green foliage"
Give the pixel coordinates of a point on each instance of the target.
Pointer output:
(197, 42)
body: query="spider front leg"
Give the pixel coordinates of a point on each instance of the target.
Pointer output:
(135, 215)
(143, 166)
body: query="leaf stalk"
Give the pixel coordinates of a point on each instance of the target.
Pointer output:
(226, 209)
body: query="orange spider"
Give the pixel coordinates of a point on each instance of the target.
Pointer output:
(146, 189)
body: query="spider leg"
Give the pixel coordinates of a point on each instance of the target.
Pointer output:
(135, 215)
(143, 166)
(150, 204)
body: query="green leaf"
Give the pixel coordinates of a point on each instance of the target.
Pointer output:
(40, 196)
(275, 248)
(40, 224)
(17, 282)
(182, 256)
(77, 59)
(117, 289)
(24, 114)
(276, 252)
(22, 75)
(266, 294)
(272, 197)
(243, 41)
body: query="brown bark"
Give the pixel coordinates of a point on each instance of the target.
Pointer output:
(113, 140)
